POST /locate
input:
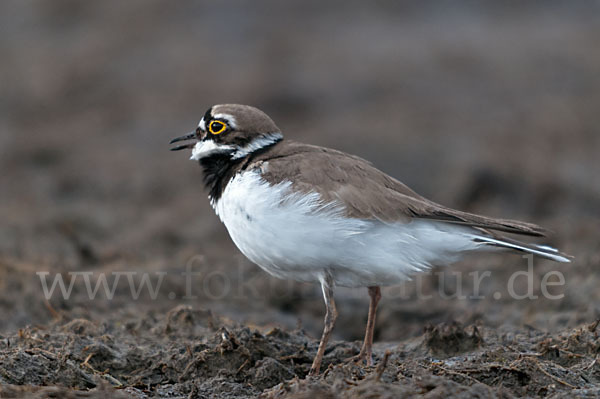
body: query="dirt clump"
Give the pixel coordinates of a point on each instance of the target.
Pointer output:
(451, 339)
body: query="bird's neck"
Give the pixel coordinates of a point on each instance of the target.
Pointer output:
(220, 168)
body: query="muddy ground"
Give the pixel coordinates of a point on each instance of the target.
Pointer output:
(488, 107)
(191, 353)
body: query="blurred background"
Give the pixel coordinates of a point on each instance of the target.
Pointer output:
(490, 107)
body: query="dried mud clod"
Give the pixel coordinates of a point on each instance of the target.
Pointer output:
(569, 347)
(81, 327)
(185, 318)
(446, 340)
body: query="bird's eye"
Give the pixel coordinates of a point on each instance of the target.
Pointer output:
(217, 127)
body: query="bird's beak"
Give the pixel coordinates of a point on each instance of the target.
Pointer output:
(188, 136)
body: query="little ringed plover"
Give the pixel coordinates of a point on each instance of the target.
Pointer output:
(315, 214)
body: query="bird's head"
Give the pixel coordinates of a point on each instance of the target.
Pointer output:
(231, 130)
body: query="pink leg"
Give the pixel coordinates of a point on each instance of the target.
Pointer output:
(366, 352)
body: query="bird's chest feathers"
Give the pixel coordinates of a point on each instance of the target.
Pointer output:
(254, 213)
(253, 210)
(273, 225)
(245, 202)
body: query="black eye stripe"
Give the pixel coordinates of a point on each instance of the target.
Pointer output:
(208, 116)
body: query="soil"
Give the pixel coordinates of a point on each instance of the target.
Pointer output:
(190, 353)
(491, 108)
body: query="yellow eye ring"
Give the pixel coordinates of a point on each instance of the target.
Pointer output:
(217, 127)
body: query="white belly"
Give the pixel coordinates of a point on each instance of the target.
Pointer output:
(297, 236)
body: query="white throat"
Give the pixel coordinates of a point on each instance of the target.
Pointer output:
(206, 148)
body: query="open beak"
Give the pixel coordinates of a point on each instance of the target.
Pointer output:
(188, 136)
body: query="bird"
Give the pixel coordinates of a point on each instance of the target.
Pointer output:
(318, 215)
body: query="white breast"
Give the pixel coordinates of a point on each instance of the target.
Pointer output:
(297, 236)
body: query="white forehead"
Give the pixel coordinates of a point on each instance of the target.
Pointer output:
(230, 119)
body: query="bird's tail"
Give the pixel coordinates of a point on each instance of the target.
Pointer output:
(544, 251)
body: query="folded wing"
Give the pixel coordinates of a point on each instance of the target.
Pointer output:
(366, 192)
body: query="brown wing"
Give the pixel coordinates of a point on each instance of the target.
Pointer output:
(365, 191)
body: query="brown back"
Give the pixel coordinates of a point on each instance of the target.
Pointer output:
(365, 191)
